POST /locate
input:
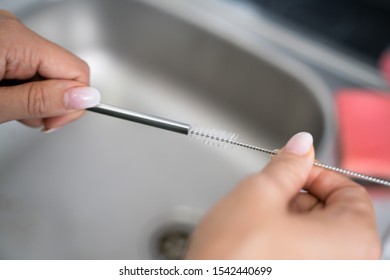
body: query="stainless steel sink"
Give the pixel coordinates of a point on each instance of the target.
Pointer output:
(105, 188)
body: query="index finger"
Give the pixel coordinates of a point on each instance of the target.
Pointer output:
(58, 63)
(26, 53)
(337, 191)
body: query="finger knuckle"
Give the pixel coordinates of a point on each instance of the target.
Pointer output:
(85, 67)
(360, 210)
(82, 71)
(261, 185)
(11, 24)
(290, 174)
(37, 102)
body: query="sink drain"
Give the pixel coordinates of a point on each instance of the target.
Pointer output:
(171, 233)
(171, 242)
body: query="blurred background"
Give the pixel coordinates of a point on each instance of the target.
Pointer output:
(360, 27)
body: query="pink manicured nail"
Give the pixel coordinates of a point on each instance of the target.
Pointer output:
(81, 98)
(300, 144)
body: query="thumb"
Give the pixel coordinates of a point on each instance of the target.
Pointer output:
(289, 170)
(44, 99)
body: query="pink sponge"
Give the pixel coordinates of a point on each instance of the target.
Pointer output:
(364, 122)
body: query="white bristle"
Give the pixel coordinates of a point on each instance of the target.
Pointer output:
(212, 136)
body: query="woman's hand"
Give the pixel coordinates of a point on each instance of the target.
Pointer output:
(268, 217)
(41, 83)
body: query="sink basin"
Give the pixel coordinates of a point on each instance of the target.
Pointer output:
(103, 188)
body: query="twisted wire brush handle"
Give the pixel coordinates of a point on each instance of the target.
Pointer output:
(274, 152)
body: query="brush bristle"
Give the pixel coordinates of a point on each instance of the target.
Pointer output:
(212, 136)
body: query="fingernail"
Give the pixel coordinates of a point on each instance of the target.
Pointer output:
(47, 131)
(300, 144)
(81, 98)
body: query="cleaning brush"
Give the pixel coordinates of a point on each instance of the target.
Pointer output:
(210, 136)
